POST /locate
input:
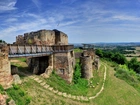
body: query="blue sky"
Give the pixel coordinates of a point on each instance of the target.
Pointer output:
(84, 21)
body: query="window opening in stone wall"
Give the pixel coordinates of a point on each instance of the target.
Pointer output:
(71, 54)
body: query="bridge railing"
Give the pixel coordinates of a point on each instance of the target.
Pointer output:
(38, 49)
(29, 49)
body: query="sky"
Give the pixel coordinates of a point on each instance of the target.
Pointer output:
(84, 21)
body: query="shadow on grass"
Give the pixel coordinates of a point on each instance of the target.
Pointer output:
(21, 71)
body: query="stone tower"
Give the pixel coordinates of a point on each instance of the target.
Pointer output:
(89, 61)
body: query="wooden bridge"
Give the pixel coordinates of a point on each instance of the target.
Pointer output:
(37, 50)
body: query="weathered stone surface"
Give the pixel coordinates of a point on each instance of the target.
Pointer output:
(2, 100)
(48, 72)
(39, 81)
(64, 64)
(46, 86)
(16, 79)
(43, 83)
(65, 94)
(55, 91)
(86, 67)
(5, 68)
(50, 88)
(43, 37)
(11, 102)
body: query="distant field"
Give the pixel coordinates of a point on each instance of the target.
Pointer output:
(137, 48)
(137, 51)
(129, 58)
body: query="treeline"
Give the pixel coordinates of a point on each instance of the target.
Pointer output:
(119, 59)
(2, 41)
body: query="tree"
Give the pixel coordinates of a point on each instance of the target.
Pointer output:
(99, 52)
(134, 64)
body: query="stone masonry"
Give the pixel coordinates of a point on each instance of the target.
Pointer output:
(5, 68)
(62, 62)
(43, 37)
(89, 61)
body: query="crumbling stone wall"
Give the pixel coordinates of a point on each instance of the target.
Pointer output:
(97, 62)
(86, 67)
(64, 64)
(43, 37)
(5, 68)
(20, 39)
(60, 38)
(89, 62)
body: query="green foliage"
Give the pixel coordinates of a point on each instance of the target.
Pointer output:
(78, 87)
(77, 73)
(22, 59)
(99, 52)
(77, 50)
(134, 64)
(8, 100)
(19, 95)
(30, 41)
(129, 75)
(1, 89)
(2, 41)
(115, 57)
(16, 87)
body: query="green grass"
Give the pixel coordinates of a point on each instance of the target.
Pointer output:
(81, 88)
(116, 91)
(18, 95)
(59, 84)
(77, 50)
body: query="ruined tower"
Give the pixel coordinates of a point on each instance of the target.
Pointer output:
(89, 61)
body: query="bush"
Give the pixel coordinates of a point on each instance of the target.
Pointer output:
(16, 87)
(77, 73)
(1, 89)
(126, 74)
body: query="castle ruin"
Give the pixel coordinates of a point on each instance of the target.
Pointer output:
(63, 63)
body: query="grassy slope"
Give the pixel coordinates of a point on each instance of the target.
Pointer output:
(116, 92)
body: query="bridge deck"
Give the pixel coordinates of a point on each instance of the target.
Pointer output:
(37, 50)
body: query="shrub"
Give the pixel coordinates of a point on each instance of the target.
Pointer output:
(77, 73)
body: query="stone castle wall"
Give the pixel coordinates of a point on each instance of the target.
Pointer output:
(5, 68)
(86, 67)
(89, 62)
(43, 37)
(64, 64)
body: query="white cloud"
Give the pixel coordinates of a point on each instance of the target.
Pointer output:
(11, 20)
(125, 17)
(37, 3)
(68, 1)
(7, 5)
